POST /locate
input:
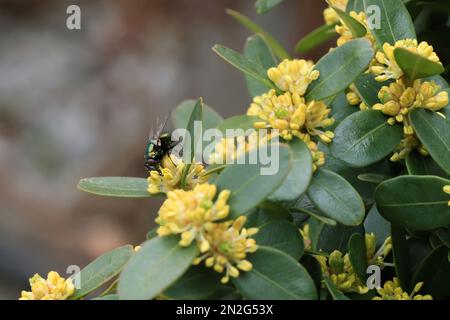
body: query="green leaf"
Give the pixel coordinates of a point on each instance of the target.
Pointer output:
(245, 65)
(377, 225)
(355, 5)
(315, 38)
(336, 198)
(250, 185)
(434, 133)
(416, 66)
(101, 270)
(402, 258)
(299, 177)
(339, 68)
(357, 255)
(334, 291)
(444, 235)
(417, 203)
(336, 238)
(191, 144)
(373, 177)
(263, 6)
(238, 122)
(367, 88)
(420, 165)
(395, 21)
(197, 283)
(356, 28)
(290, 281)
(267, 212)
(434, 272)
(124, 187)
(181, 114)
(281, 235)
(365, 138)
(158, 264)
(257, 50)
(341, 109)
(276, 47)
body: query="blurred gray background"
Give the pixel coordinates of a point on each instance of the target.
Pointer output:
(80, 103)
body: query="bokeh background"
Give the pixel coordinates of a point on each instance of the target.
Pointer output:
(81, 103)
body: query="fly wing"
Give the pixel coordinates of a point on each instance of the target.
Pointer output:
(160, 126)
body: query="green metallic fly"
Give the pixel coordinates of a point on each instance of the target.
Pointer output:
(158, 145)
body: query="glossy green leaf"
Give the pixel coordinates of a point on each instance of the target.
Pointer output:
(251, 184)
(101, 270)
(377, 225)
(245, 65)
(158, 264)
(365, 138)
(194, 140)
(315, 38)
(416, 66)
(257, 50)
(402, 257)
(420, 165)
(275, 276)
(434, 133)
(373, 177)
(263, 6)
(334, 291)
(355, 5)
(276, 47)
(123, 187)
(283, 236)
(444, 235)
(299, 177)
(341, 109)
(182, 113)
(336, 238)
(417, 203)
(434, 272)
(356, 28)
(267, 212)
(357, 255)
(395, 22)
(243, 122)
(336, 198)
(197, 283)
(367, 88)
(339, 68)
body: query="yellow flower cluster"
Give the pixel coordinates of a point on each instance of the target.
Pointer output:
(345, 34)
(53, 288)
(387, 67)
(392, 291)
(340, 270)
(229, 244)
(293, 75)
(195, 215)
(397, 100)
(406, 145)
(292, 116)
(187, 212)
(171, 173)
(289, 112)
(228, 149)
(329, 14)
(341, 273)
(447, 191)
